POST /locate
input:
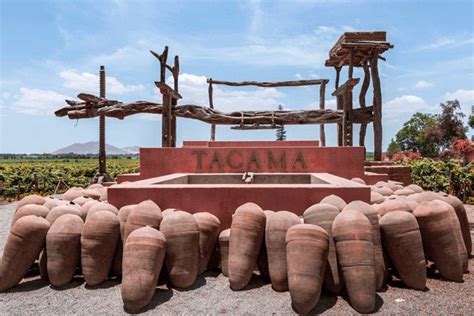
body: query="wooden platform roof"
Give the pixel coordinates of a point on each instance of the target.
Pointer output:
(362, 45)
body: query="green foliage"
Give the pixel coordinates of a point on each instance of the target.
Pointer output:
(429, 134)
(393, 147)
(417, 134)
(450, 123)
(448, 176)
(17, 176)
(280, 131)
(471, 121)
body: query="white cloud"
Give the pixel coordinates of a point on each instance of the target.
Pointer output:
(38, 102)
(298, 76)
(423, 84)
(194, 90)
(451, 42)
(87, 82)
(463, 96)
(400, 108)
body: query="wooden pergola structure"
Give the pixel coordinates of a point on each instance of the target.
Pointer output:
(363, 50)
(352, 49)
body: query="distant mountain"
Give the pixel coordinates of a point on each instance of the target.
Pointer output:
(93, 148)
(132, 150)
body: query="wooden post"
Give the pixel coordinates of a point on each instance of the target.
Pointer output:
(338, 71)
(339, 102)
(347, 118)
(363, 92)
(174, 102)
(165, 119)
(211, 105)
(322, 104)
(351, 64)
(377, 103)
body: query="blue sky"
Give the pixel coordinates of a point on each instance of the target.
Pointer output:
(52, 50)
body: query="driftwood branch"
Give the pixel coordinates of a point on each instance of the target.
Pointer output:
(120, 110)
(294, 83)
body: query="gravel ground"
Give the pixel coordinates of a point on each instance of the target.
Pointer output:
(212, 295)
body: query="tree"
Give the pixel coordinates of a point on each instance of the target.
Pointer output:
(451, 123)
(420, 133)
(471, 121)
(280, 131)
(393, 147)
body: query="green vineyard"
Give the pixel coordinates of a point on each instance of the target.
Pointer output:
(21, 177)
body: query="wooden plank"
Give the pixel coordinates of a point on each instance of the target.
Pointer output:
(293, 83)
(348, 85)
(362, 103)
(167, 90)
(377, 103)
(322, 105)
(211, 105)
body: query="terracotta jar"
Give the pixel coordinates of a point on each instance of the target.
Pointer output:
(209, 229)
(276, 227)
(30, 209)
(224, 250)
(334, 200)
(262, 260)
(30, 199)
(247, 232)
(63, 244)
(143, 257)
(146, 213)
(24, 244)
(439, 239)
(182, 247)
(323, 215)
(404, 246)
(307, 248)
(352, 233)
(98, 243)
(60, 210)
(372, 216)
(462, 217)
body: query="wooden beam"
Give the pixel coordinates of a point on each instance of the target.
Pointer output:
(348, 85)
(322, 105)
(338, 73)
(294, 83)
(362, 103)
(167, 90)
(211, 105)
(377, 103)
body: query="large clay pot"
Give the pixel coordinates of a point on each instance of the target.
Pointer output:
(404, 192)
(383, 190)
(415, 188)
(209, 229)
(402, 240)
(182, 247)
(439, 239)
(146, 213)
(323, 215)
(276, 227)
(462, 217)
(224, 250)
(334, 200)
(427, 196)
(63, 244)
(92, 193)
(86, 207)
(72, 193)
(24, 244)
(102, 206)
(122, 215)
(98, 243)
(168, 211)
(456, 227)
(376, 198)
(247, 233)
(358, 180)
(60, 210)
(352, 233)
(391, 205)
(30, 209)
(81, 200)
(30, 199)
(51, 202)
(262, 260)
(307, 248)
(143, 256)
(372, 215)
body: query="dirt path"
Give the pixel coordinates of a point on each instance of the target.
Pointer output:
(211, 295)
